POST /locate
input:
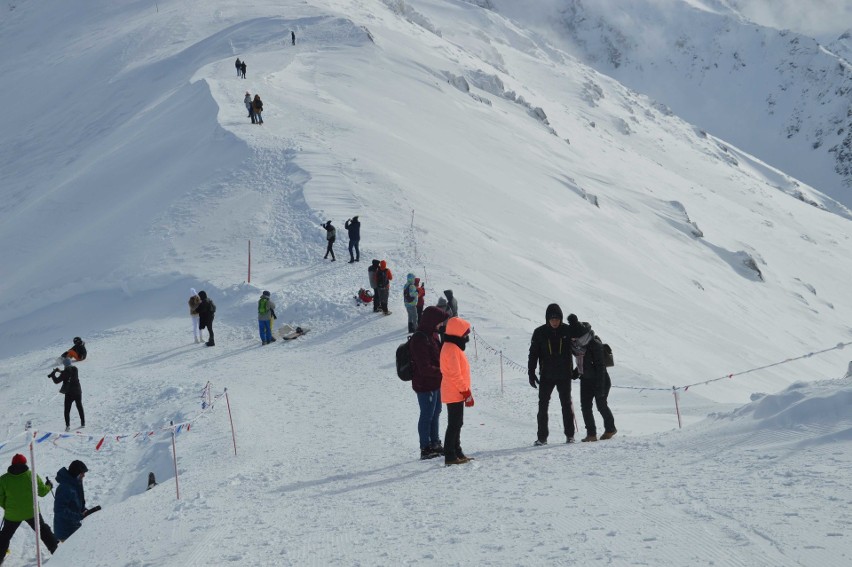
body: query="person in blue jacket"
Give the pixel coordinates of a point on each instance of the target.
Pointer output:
(69, 507)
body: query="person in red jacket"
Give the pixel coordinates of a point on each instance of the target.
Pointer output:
(426, 383)
(421, 296)
(455, 387)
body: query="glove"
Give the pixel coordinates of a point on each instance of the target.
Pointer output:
(468, 398)
(47, 482)
(533, 380)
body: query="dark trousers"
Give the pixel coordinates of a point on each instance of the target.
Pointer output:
(353, 244)
(545, 390)
(376, 300)
(9, 528)
(383, 299)
(452, 437)
(209, 326)
(330, 250)
(419, 311)
(78, 400)
(591, 390)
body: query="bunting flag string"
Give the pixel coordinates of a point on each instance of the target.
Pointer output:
(9, 440)
(522, 368)
(145, 435)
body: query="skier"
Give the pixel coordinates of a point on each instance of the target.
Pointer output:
(69, 507)
(257, 106)
(550, 350)
(250, 107)
(206, 312)
(383, 279)
(330, 237)
(455, 387)
(409, 298)
(426, 383)
(76, 352)
(353, 227)
(265, 316)
(238, 65)
(371, 275)
(594, 386)
(421, 296)
(194, 302)
(16, 499)
(71, 388)
(243, 69)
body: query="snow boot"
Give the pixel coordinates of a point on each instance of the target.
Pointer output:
(608, 434)
(589, 438)
(539, 443)
(569, 439)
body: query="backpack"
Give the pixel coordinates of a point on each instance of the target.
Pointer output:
(262, 306)
(381, 278)
(609, 360)
(406, 296)
(212, 306)
(404, 364)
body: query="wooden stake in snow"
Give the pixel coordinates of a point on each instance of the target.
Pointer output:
(174, 458)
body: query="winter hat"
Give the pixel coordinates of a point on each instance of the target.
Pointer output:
(553, 312)
(76, 468)
(266, 294)
(375, 262)
(78, 341)
(66, 362)
(383, 264)
(416, 281)
(192, 291)
(19, 459)
(202, 294)
(572, 319)
(355, 217)
(410, 277)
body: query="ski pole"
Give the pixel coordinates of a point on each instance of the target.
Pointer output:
(51, 487)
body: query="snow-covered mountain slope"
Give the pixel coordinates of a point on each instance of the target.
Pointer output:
(478, 156)
(778, 94)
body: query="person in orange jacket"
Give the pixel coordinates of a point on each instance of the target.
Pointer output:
(455, 387)
(383, 279)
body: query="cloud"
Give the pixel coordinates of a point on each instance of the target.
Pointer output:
(822, 19)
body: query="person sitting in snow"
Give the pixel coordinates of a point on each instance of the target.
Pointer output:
(77, 352)
(365, 297)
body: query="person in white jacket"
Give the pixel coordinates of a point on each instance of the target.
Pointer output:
(194, 302)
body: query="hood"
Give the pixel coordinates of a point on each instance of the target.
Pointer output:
(376, 263)
(383, 265)
(202, 294)
(449, 294)
(417, 281)
(409, 278)
(457, 327)
(65, 477)
(432, 316)
(553, 310)
(17, 469)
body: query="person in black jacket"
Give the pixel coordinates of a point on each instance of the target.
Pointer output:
(206, 312)
(594, 385)
(426, 383)
(353, 226)
(371, 274)
(71, 388)
(550, 349)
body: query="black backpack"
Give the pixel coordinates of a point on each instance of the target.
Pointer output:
(382, 278)
(212, 306)
(405, 295)
(609, 360)
(404, 364)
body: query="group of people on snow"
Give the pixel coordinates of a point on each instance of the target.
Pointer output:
(353, 228)
(16, 499)
(202, 311)
(254, 107)
(241, 68)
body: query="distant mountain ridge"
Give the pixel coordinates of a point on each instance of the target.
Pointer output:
(780, 95)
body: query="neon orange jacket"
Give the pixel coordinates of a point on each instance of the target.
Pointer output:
(455, 369)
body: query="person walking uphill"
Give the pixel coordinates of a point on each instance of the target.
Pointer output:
(249, 107)
(330, 237)
(16, 499)
(594, 386)
(426, 383)
(353, 227)
(71, 388)
(206, 312)
(257, 107)
(265, 316)
(243, 69)
(239, 64)
(69, 507)
(550, 350)
(409, 298)
(455, 387)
